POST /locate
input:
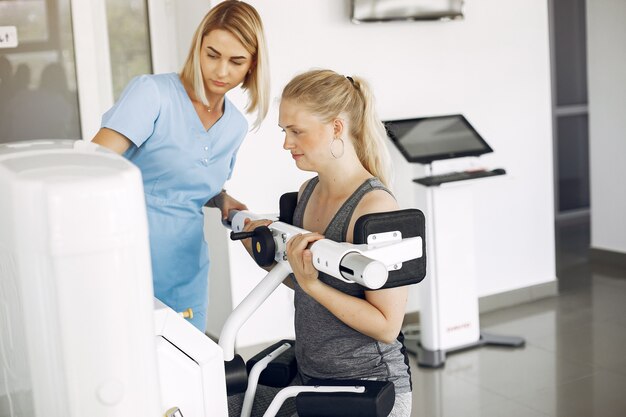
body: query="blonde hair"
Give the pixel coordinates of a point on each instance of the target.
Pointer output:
(244, 23)
(329, 95)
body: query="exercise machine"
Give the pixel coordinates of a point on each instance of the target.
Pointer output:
(391, 254)
(81, 334)
(388, 251)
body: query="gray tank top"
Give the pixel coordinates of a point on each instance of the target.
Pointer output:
(327, 348)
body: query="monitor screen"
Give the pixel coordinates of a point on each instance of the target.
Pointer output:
(390, 10)
(429, 139)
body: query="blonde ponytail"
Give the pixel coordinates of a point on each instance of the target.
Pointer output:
(328, 95)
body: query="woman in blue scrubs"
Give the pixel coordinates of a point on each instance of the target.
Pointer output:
(183, 133)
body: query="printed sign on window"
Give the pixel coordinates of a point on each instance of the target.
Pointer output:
(8, 37)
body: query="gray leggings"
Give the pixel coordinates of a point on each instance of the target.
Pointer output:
(265, 395)
(402, 406)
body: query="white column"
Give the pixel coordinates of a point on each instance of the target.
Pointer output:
(93, 63)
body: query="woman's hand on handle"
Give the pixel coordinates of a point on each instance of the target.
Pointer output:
(225, 203)
(301, 259)
(249, 226)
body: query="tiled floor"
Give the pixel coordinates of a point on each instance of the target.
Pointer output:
(574, 361)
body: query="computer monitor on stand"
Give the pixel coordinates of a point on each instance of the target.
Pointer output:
(427, 139)
(449, 319)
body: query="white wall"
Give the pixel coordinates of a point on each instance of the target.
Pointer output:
(172, 24)
(493, 67)
(606, 58)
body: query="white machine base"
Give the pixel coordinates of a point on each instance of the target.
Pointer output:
(437, 358)
(449, 314)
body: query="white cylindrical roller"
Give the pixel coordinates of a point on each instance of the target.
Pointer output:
(327, 256)
(363, 270)
(237, 219)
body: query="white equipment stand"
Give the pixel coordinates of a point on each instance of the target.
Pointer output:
(449, 319)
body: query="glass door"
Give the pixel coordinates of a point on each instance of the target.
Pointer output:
(129, 41)
(38, 93)
(49, 83)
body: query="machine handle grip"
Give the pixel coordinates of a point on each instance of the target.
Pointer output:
(241, 235)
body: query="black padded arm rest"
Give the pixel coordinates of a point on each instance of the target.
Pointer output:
(376, 401)
(287, 206)
(236, 375)
(411, 223)
(281, 370)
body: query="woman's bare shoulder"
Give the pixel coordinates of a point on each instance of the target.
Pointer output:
(376, 201)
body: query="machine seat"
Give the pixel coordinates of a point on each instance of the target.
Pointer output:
(281, 370)
(377, 400)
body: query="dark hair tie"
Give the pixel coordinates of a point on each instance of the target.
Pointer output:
(350, 79)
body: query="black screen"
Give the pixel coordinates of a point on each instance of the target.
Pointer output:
(428, 139)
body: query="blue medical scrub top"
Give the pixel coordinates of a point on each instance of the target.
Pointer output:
(183, 166)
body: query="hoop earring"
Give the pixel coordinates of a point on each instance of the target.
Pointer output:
(337, 153)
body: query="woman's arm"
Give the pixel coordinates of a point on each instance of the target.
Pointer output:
(225, 203)
(381, 313)
(379, 316)
(113, 140)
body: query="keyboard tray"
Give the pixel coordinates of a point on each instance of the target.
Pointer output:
(435, 180)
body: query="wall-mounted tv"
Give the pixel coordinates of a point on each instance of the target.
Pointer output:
(428, 139)
(389, 10)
